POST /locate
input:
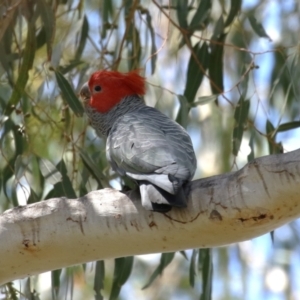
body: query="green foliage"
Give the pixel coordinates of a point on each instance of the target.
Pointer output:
(99, 279)
(123, 267)
(165, 260)
(206, 267)
(258, 27)
(230, 87)
(55, 282)
(240, 116)
(68, 94)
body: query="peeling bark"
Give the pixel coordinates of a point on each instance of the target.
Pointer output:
(223, 209)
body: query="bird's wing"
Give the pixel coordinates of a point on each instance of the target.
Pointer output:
(148, 142)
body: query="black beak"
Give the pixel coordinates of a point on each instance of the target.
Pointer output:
(84, 93)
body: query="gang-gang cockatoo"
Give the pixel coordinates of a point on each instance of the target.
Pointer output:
(142, 143)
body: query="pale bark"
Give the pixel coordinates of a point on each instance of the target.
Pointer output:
(223, 209)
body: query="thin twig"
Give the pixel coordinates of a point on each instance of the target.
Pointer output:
(128, 18)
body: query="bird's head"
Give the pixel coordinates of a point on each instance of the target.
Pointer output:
(105, 88)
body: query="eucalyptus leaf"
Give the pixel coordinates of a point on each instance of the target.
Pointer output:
(63, 188)
(198, 64)
(258, 27)
(153, 44)
(55, 283)
(193, 267)
(205, 261)
(90, 165)
(99, 279)
(288, 126)
(68, 93)
(235, 8)
(123, 267)
(165, 260)
(49, 171)
(27, 62)
(83, 38)
(201, 16)
(240, 116)
(49, 20)
(182, 118)
(205, 100)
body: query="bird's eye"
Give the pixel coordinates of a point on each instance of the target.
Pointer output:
(97, 88)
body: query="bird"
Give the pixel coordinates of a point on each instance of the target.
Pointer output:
(141, 142)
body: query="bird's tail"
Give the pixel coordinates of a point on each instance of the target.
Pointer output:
(155, 198)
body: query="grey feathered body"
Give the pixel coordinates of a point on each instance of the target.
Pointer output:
(146, 145)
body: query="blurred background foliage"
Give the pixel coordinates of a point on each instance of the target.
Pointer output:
(227, 70)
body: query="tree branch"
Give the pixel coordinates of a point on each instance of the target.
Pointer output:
(223, 209)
